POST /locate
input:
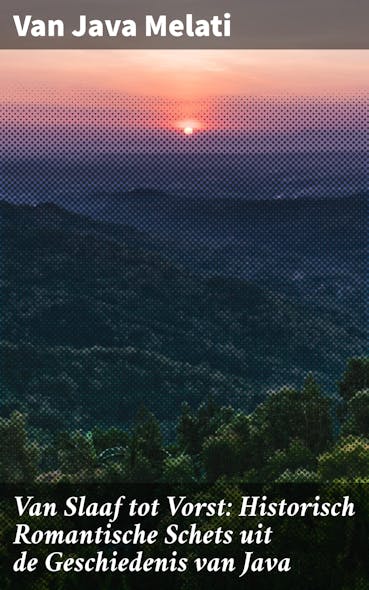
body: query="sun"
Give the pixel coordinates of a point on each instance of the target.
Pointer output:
(188, 126)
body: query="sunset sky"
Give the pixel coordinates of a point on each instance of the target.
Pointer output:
(189, 74)
(209, 90)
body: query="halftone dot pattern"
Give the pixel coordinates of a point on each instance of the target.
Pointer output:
(146, 267)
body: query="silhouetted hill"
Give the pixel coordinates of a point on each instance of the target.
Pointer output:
(78, 289)
(308, 247)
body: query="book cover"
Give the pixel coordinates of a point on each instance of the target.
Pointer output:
(184, 370)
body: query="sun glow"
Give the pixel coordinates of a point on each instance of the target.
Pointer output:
(188, 126)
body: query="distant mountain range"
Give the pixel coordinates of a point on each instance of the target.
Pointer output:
(114, 316)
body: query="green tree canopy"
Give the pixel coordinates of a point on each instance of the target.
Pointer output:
(355, 377)
(19, 456)
(348, 459)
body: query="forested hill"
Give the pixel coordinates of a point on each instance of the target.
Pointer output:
(77, 289)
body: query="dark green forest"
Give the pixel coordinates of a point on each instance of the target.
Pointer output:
(118, 362)
(120, 365)
(291, 436)
(97, 319)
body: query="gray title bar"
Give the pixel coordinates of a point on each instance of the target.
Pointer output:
(254, 24)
